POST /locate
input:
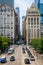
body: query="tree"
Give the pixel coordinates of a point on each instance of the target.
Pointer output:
(37, 43)
(4, 42)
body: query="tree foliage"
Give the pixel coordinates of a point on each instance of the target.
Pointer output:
(37, 43)
(4, 42)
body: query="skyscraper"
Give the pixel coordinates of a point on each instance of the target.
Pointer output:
(39, 5)
(18, 12)
(37, 2)
(8, 2)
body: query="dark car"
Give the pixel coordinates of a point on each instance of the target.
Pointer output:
(23, 51)
(3, 59)
(27, 61)
(12, 58)
(28, 51)
(29, 54)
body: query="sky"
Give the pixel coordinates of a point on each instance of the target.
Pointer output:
(23, 5)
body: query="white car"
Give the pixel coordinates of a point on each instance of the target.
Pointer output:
(10, 51)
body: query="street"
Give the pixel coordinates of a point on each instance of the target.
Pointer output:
(19, 57)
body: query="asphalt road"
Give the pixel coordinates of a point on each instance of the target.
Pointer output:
(19, 57)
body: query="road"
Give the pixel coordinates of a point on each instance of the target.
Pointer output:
(19, 57)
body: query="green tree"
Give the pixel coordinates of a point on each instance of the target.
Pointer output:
(37, 43)
(4, 42)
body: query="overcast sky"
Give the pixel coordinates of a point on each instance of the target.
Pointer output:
(22, 4)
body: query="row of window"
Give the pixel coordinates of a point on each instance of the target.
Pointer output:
(7, 15)
(5, 9)
(6, 27)
(32, 12)
(33, 21)
(33, 26)
(30, 33)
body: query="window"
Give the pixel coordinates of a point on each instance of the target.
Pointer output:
(11, 27)
(34, 21)
(1, 10)
(37, 32)
(28, 26)
(37, 21)
(34, 32)
(8, 15)
(5, 10)
(8, 10)
(29, 33)
(29, 21)
(11, 23)
(11, 10)
(37, 26)
(34, 26)
(8, 27)
(8, 34)
(31, 26)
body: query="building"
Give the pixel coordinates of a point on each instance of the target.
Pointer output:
(39, 5)
(41, 29)
(18, 12)
(8, 2)
(8, 23)
(16, 26)
(32, 24)
(23, 18)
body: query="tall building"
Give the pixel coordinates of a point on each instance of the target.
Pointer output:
(32, 24)
(8, 22)
(41, 29)
(39, 5)
(23, 18)
(18, 12)
(8, 2)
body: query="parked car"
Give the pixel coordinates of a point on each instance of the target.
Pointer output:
(10, 51)
(23, 51)
(26, 49)
(0, 60)
(27, 61)
(3, 59)
(12, 58)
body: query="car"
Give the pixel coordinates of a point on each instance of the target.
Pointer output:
(12, 58)
(32, 58)
(0, 60)
(23, 51)
(26, 49)
(10, 50)
(27, 61)
(29, 54)
(3, 59)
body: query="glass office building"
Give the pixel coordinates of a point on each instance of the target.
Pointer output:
(37, 2)
(18, 12)
(9, 2)
(39, 5)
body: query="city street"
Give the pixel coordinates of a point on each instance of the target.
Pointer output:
(19, 57)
